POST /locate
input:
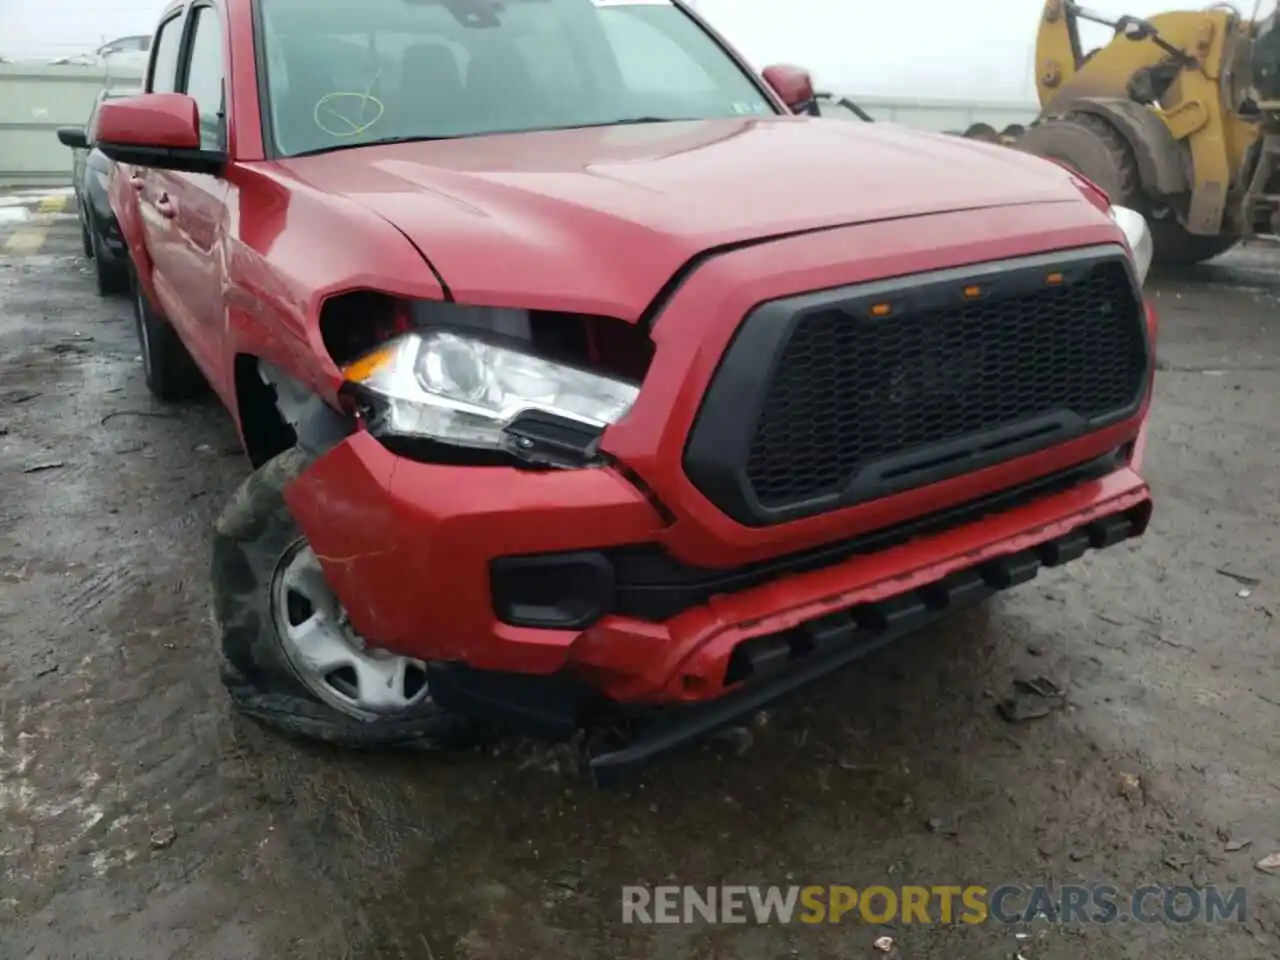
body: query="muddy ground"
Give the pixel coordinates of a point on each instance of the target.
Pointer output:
(139, 818)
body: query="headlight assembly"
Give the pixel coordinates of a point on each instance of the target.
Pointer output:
(1138, 234)
(463, 390)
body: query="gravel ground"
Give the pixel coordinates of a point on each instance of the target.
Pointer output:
(139, 818)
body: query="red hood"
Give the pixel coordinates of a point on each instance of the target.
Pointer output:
(598, 219)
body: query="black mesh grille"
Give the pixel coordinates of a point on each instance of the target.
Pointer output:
(938, 387)
(851, 390)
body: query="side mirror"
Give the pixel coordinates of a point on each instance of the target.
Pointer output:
(160, 130)
(793, 85)
(74, 137)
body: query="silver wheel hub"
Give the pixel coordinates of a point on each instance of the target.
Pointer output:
(327, 655)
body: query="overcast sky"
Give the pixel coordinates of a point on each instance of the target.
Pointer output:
(967, 49)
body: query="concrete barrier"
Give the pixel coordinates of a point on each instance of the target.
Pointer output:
(36, 99)
(941, 116)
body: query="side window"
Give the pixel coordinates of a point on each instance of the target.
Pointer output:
(163, 77)
(205, 78)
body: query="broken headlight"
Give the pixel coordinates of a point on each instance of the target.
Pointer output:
(1138, 236)
(459, 389)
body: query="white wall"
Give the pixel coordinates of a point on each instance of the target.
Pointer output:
(36, 99)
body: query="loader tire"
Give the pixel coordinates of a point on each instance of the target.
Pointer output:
(1174, 246)
(1097, 150)
(1094, 149)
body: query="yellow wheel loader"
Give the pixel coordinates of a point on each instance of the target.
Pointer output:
(1178, 116)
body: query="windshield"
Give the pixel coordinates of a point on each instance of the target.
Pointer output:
(344, 73)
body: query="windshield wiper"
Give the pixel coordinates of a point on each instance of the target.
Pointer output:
(624, 121)
(383, 141)
(379, 142)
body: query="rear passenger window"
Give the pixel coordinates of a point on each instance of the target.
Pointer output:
(205, 78)
(164, 61)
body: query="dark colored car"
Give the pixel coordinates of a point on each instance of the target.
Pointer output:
(91, 172)
(581, 377)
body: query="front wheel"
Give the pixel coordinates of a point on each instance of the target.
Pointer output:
(291, 658)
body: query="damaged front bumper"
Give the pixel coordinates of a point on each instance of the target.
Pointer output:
(767, 667)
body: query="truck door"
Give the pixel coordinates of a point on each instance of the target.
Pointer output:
(195, 203)
(159, 226)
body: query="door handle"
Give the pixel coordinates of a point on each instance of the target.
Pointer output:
(137, 182)
(165, 207)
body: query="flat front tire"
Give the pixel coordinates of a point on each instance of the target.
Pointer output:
(291, 659)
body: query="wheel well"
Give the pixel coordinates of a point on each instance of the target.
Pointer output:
(266, 432)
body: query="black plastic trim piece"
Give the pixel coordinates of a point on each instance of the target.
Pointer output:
(317, 426)
(652, 585)
(545, 438)
(564, 591)
(320, 428)
(536, 706)
(719, 444)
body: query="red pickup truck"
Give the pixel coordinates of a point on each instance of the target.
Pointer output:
(582, 373)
